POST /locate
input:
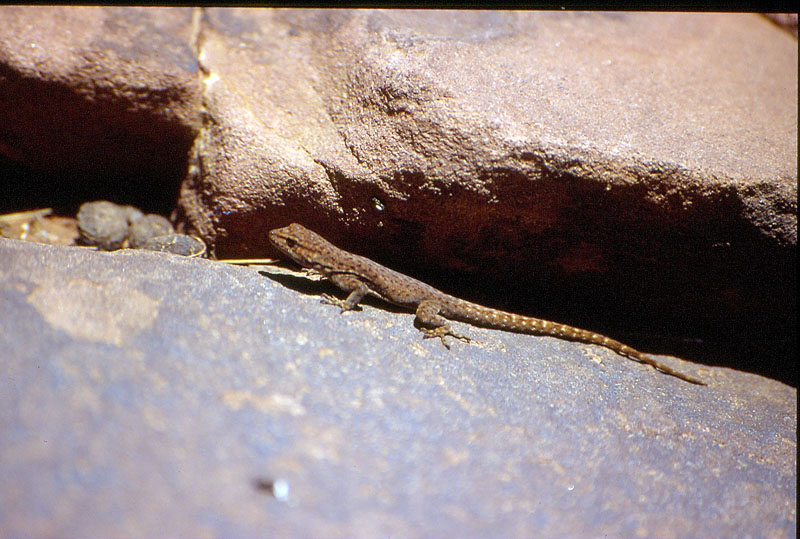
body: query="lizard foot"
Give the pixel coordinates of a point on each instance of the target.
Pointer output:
(441, 332)
(328, 299)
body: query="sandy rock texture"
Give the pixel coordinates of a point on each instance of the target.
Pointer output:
(624, 170)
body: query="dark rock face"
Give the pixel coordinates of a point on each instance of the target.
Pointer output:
(98, 96)
(147, 394)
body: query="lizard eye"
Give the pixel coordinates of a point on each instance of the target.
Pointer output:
(291, 242)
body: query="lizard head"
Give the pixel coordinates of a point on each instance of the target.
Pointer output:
(305, 247)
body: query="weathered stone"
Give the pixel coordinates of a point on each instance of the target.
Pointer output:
(146, 395)
(176, 244)
(787, 21)
(631, 166)
(105, 224)
(376, 97)
(634, 166)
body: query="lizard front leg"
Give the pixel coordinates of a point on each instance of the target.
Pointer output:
(434, 324)
(356, 289)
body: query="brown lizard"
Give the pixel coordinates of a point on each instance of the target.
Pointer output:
(360, 276)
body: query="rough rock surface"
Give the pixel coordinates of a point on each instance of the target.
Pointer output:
(152, 395)
(635, 164)
(627, 170)
(630, 170)
(492, 128)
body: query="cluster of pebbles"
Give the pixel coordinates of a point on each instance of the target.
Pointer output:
(103, 225)
(110, 226)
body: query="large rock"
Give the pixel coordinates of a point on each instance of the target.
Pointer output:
(375, 119)
(629, 171)
(637, 167)
(150, 395)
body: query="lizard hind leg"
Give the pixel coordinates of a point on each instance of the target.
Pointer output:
(441, 332)
(435, 325)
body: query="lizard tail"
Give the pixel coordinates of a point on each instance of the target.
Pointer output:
(582, 335)
(623, 350)
(536, 326)
(632, 353)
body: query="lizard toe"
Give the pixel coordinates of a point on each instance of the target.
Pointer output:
(328, 299)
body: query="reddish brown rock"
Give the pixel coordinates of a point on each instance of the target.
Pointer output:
(94, 94)
(787, 21)
(629, 163)
(495, 112)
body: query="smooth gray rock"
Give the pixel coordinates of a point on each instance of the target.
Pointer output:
(152, 395)
(150, 226)
(106, 225)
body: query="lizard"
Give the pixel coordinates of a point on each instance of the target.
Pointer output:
(359, 276)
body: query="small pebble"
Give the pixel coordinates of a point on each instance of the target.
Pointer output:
(177, 244)
(147, 227)
(105, 224)
(278, 488)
